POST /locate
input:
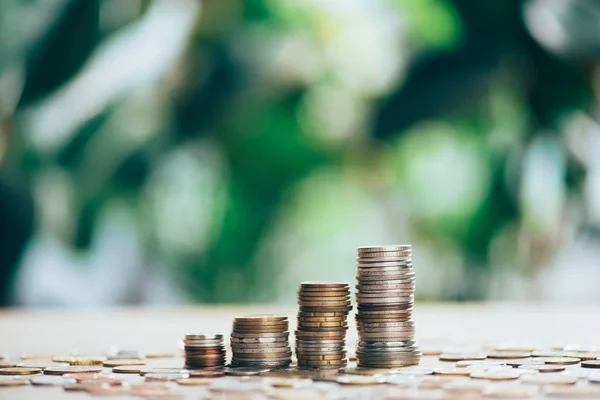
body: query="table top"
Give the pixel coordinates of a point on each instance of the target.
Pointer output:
(62, 331)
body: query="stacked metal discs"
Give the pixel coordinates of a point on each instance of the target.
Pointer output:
(204, 351)
(322, 324)
(261, 341)
(385, 298)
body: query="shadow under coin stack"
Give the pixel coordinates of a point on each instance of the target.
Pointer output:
(204, 351)
(322, 325)
(385, 298)
(261, 341)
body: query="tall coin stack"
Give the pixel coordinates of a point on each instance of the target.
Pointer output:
(322, 324)
(204, 351)
(261, 341)
(385, 298)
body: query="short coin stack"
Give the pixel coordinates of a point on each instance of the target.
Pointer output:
(322, 324)
(385, 298)
(204, 351)
(261, 341)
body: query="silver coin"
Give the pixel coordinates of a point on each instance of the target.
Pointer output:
(382, 248)
(371, 344)
(48, 380)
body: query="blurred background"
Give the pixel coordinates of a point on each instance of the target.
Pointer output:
(222, 151)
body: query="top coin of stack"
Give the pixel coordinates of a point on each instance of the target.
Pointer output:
(204, 351)
(322, 324)
(385, 298)
(261, 341)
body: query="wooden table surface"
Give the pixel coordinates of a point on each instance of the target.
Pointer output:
(58, 331)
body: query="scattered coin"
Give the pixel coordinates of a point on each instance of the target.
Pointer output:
(505, 355)
(123, 362)
(41, 364)
(559, 360)
(13, 382)
(72, 369)
(590, 364)
(462, 356)
(452, 371)
(543, 367)
(128, 369)
(20, 371)
(502, 375)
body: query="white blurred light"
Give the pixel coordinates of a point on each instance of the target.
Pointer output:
(186, 194)
(446, 175)
(136, 57)
(542, 194)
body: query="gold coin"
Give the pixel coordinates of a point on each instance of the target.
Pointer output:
(508, 354)
(324, 285)
(13, 382)
(72, 369)
(257, 319)
(80, 360)
(41, 364)
(8, 364)
(452, 371)
(20, 371)
(159, 355)
(117, 363)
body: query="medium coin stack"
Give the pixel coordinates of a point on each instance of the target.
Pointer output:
(385, 298)
(204, 351)
(261, 341)
(322, 324)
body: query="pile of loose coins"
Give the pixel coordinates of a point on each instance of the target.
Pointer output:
(322, 325)
(385, 298)
(261, 341)
(204, 351)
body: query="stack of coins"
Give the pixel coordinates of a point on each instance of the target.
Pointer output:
(322, 324)
(385, 298)
(261, 341)
(204, 351)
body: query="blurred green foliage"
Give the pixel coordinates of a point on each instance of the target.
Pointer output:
(263, 96)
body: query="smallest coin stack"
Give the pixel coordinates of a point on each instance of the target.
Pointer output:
(322, 324)
(261, 341)
(204, 351)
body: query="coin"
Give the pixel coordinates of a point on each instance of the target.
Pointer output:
(13, 382)
(383, 248)
(452, 371)
(590, 364)
(128, 369)
(20, 371)
(508, 354)
(543, 367)
(116, 363)
(502, 375)
(71, 369)
(559, 360)
(80, 360)
(462, 356)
